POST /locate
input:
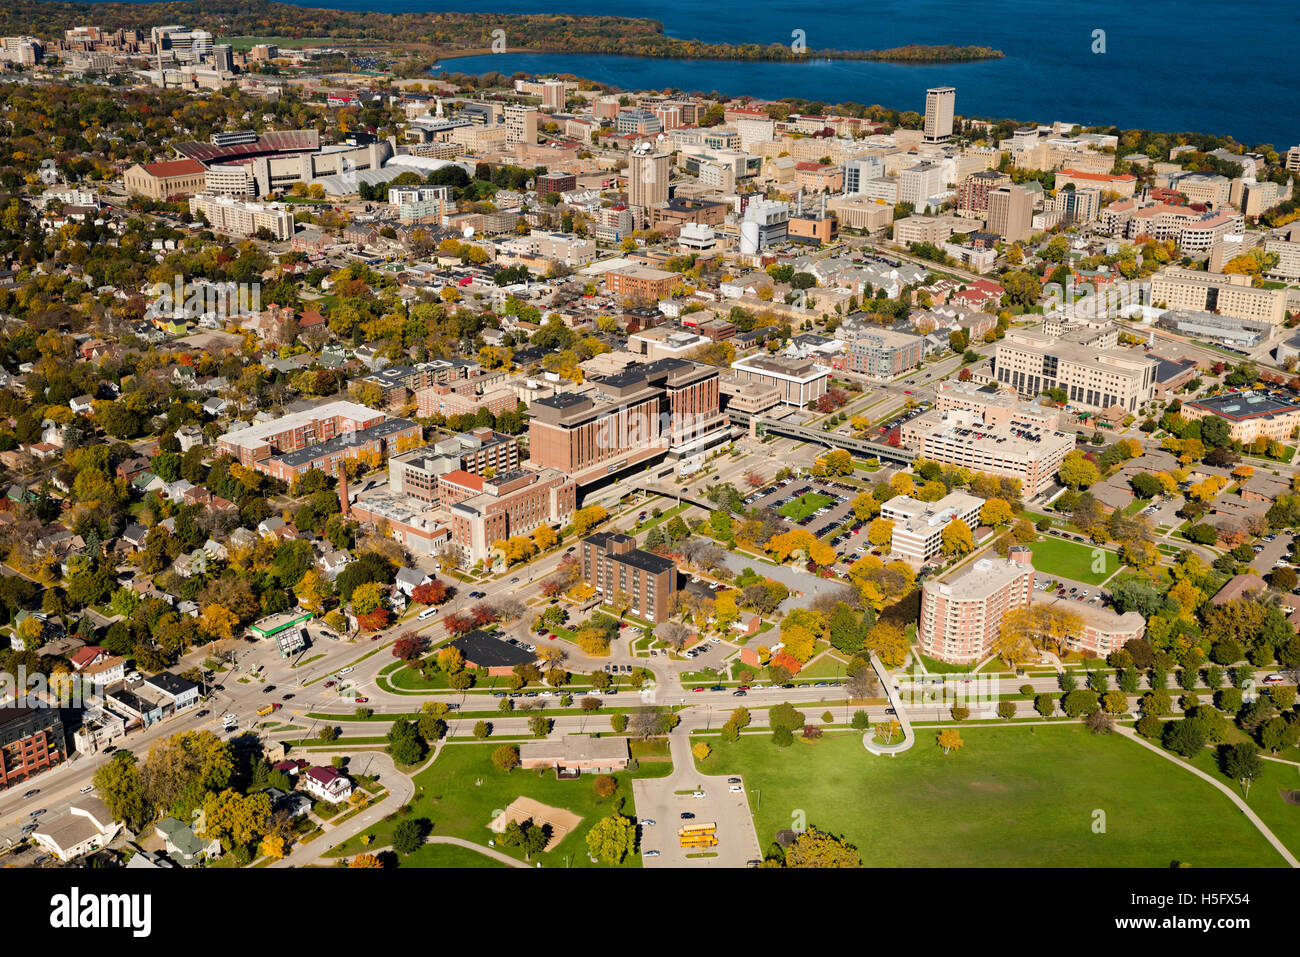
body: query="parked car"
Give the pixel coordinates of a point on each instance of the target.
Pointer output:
(650, 853)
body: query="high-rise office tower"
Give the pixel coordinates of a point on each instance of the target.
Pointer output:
(940, 103)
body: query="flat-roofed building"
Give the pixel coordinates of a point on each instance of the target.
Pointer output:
(479, 452)
(666, 406)
(884, 353)
(918, 526)
(32, 740)
(1250, 416)
(1101, 630)
(1226, 294)
(614, 566)
(230, 215)
(641, 283)
(1032, 363)
(961, 618)
(1025, 450)
(507, 505)
(799, 381)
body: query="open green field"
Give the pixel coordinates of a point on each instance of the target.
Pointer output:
(805, 505)
(460, 790)
(448, 855)
(1073, 560)
(1012, 797)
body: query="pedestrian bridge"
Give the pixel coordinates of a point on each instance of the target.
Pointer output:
(832, 440)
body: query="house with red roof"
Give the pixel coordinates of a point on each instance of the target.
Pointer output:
(326, 784)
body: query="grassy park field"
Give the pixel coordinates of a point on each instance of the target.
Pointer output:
(459, 791)
(1077, 562)
(1011, 797)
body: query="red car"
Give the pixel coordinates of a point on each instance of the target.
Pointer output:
(362, 700)
(329, 684)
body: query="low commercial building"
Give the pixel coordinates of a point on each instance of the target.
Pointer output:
(961, 619)
(576, 752)
(488, 652)
(83, 827)
(614, 566)
(918, 526)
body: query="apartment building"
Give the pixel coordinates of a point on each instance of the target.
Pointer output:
(421, 204)
(961, 619)
(230, 215)
(884, 353)
(640, 283)
(918, 526)
(1101, 630)
(1032, 362)
(648, 175)
(931, 229)
(614, 566)
(940, 105)
(1018, 447)
(800, 382)
(1228, 295)
(1011, 213)
(973, 193)
(507, 505)
(32, 740)
(162, 181)
(1249, 416)
(1077, 206)
(666, 406)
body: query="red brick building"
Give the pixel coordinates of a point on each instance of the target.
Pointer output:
(32, 740)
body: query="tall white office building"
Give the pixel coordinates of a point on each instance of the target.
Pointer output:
(940, 104)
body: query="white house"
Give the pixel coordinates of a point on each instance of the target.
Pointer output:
(326, 784)
(83, 827)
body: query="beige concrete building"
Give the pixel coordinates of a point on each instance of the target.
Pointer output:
(227, 214)
(1249, 416)
(647, 179)
(1011, 213)
(918, 526)
(1227, 295)
(799, 381)
(1033, 362)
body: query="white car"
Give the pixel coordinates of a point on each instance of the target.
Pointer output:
(87, 789)
(737, 789)
(649, 853)
(697, 794)
(344, 671)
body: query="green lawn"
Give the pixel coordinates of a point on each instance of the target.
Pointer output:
(1012, 797)
(447, 855)
(459, 791)
(1073, 560)
(805, 505)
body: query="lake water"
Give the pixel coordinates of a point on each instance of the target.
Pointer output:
(1203, 65)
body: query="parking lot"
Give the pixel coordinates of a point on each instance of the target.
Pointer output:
(835, 515)
(1271, 553)
(657, 800)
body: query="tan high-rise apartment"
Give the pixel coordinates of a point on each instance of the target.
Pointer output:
(1011, 212)
(940, 104)
(647, 179)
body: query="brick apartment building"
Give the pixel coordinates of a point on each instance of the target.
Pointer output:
(613, 565)
(32, 740)
(961, 618)
(640, 283)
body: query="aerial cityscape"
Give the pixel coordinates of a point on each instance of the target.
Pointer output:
(406, 463)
